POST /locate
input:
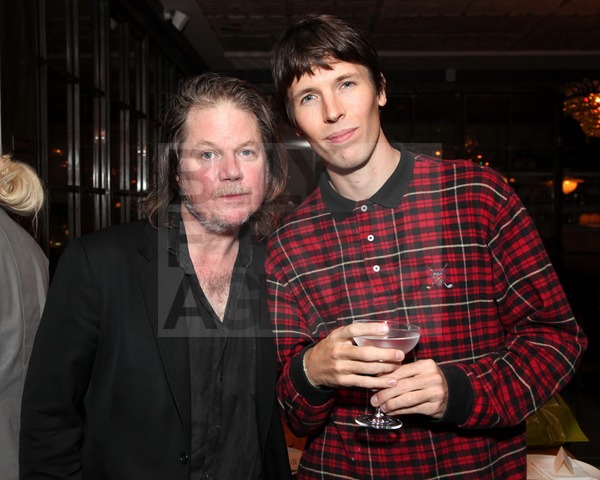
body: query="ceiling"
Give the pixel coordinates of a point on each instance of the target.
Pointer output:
(451, 35)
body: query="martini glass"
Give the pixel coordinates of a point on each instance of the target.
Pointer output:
(401, 336)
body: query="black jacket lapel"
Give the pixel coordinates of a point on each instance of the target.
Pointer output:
(265, 379)
(161, 281)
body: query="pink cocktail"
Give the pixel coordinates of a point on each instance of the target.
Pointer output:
(401, 336)
(406, 344)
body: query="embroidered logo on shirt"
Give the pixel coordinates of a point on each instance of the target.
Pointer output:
(438, 278)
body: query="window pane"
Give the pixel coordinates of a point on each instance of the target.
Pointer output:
(435, 119)
(88, 139)
(90, 208)
(56, 36)
(533, 159)
(58, 143)
(532, 122)
(535, 191)
(86, 43)
(397, 119)
(59, 223)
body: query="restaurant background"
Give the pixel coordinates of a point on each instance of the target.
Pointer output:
(82, 83)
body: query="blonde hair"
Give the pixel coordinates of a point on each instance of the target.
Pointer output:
(21, 190)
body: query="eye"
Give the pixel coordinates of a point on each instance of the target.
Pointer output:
(307, 98)
(248, 153)
(208, 155)
(203, 157)
(348, 84)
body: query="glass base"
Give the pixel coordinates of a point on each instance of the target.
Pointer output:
(379, 422)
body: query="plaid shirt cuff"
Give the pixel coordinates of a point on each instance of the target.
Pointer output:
(312, 394)
(460, 395)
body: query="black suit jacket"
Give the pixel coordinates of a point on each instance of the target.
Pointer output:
(107, 394)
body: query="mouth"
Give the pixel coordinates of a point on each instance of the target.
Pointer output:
(341, 136)
(234, 199)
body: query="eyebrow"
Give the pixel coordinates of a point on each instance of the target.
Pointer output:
(301, 93)
(208, 143)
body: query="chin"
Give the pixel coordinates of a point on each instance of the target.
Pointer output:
(226, 224)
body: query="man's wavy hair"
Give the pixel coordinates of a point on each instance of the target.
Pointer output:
(315, 42)
(208, 91)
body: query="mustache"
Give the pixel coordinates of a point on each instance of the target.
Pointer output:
(236, 189)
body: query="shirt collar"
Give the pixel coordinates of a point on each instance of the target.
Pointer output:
(389, 195)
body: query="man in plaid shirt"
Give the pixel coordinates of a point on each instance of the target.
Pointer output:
(394, 236)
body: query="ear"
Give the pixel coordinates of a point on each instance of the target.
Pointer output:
(382, 97)
(297, 130)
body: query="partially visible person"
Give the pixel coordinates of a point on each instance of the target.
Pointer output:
(391, 235)
(23, 286)
(154, 359)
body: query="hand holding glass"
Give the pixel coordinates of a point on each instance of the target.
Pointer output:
(401, 336)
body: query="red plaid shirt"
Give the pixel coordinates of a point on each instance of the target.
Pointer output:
(449, 246)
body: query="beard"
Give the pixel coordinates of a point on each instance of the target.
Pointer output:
(213, 223)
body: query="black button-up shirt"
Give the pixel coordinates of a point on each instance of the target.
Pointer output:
(223, 366)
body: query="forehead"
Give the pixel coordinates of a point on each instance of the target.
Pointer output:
(224, 120)
(318, 76)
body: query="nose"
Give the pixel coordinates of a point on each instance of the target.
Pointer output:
(333, 109)
(230, 168)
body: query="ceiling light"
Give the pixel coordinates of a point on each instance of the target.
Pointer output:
(582, 102)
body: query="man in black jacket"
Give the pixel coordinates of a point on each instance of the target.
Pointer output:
(154, 358)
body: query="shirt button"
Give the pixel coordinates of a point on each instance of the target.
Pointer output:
(364, 208)
(376, 268)
(183, 458)
(370, 238)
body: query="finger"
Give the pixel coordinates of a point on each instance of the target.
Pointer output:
(373, 369)
(421, 402)
(425, 384)
(369, 382)
(375, 354)
(426, 394)
(366, 328)
(413, 369)
(386, 395)
(432, 409)
(394, 398)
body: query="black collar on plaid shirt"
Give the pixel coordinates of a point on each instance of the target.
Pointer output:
(389, 195)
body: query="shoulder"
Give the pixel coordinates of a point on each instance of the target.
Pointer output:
(462, 176)
(114, 243)
(9, 229)
(125, 230)
(116, 235)
(16, 240)
(462, 167)
(302, 233)
(308, 214)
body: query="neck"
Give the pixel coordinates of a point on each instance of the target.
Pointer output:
(364, 181)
